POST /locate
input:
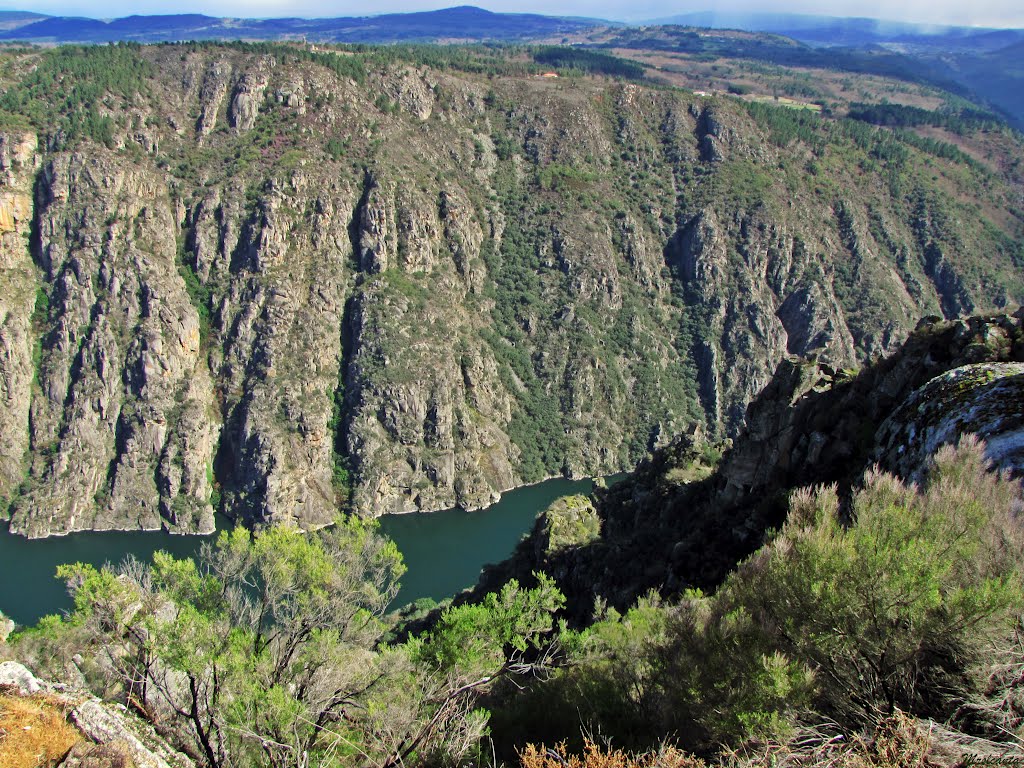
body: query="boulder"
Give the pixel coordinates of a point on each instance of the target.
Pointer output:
(16, 676)
(982, 399)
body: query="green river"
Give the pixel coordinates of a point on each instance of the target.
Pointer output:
(444, 551)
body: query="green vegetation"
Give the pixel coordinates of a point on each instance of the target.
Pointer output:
(200, 295)
(590, 62)
(69, 92)
(563, 178)
(961, 121)
(899, 610)
(788, 125)
(476, 59)
(266, 653)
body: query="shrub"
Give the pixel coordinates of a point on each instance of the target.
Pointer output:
(896, 609)
(894, 606)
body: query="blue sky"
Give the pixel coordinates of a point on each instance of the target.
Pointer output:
(996, 13)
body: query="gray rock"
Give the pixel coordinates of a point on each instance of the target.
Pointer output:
(85, 755)
(246, 101)
(107, 727)
(126, 407)
(984, 399)
(18, 289)
(17, 676)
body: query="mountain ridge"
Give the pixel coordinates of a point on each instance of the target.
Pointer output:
(467, 22)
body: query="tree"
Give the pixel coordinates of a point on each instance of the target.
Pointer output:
(268, 652)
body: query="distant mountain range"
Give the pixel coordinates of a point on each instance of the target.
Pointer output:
(461, 23)
(979, 62)
(856, 32)
(471, 23)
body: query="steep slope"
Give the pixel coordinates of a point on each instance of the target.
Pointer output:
(677, 523)
(276, 281)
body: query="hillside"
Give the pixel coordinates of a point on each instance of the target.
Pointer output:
(974, 63)
(875, 625)
(979, 68)
(276, 281)
(686, 517)
(461, 23)
(853, 32)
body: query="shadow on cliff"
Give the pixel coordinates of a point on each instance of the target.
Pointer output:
(811, 425)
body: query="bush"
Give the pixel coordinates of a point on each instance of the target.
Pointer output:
(893, 607)
(272, 649)
(894, 610)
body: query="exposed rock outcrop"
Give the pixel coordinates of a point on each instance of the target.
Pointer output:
(284, 282)
(123, 426)
(673, 525)
(247, 98)
(104, 726)
(984, 399)
(21, 297)
(115, 738)
(17, 676)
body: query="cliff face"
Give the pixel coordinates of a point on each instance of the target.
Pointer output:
(272, 281)
(18, 165)
(678, 523)
(123, 422)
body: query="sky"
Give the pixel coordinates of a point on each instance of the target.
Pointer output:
(991, 13)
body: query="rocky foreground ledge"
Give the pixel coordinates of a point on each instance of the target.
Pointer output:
(96, 735)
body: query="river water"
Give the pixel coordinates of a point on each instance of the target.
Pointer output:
(444, 551)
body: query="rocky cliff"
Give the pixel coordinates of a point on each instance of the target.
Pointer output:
(79, 730)
(274, 282)
(679, 521)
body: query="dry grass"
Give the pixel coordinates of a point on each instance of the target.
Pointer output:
(595, 757)
(897, 742)
(34, 732)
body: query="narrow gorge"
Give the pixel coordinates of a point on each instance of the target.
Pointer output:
(274, 282)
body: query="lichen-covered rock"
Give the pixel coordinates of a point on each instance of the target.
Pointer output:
(86, 755)
(17, 677)
(112, 727)
(571, 521)
(984, 399)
